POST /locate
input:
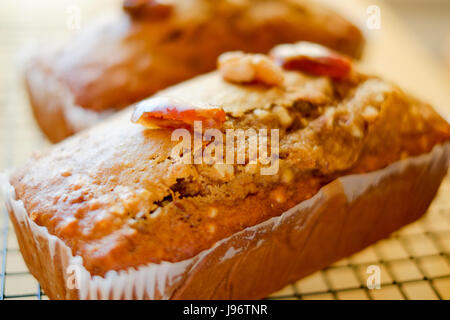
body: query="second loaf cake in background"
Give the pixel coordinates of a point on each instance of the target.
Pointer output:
(154, 44)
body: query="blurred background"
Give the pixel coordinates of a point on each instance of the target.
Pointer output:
(411, 47)
(429, 20)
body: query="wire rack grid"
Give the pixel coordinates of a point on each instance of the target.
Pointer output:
(414, 262)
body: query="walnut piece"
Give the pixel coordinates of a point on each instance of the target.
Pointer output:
(283, 116)
(240, 67)
(370, 113)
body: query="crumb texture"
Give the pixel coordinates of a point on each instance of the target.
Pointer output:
(117, 197)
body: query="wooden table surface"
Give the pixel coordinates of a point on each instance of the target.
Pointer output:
(415, 262)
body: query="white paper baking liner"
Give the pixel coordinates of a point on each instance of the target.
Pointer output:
(161, 281)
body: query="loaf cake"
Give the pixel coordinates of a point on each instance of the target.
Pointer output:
(153, 44)
(356, 159)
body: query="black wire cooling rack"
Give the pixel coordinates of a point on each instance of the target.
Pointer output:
(14, 276)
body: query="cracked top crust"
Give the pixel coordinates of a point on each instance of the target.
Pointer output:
(116, 196)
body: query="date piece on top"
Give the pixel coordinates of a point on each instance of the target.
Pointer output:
(312, 58)
(167, 112)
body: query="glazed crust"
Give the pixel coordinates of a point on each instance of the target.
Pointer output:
(71, 88)
(116, 196)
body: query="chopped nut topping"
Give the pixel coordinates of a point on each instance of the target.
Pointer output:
(283, 116)
(224, 170)
(151, 9)
(312, 58)
(156, 213)
(370, 114)
(236, 67)
(329, 116)
(379, 97)
(341, 117)
(164, 112)
(261, 114)
(247, 68)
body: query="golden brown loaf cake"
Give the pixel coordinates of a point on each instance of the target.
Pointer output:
(116, 196)
(121, 60)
